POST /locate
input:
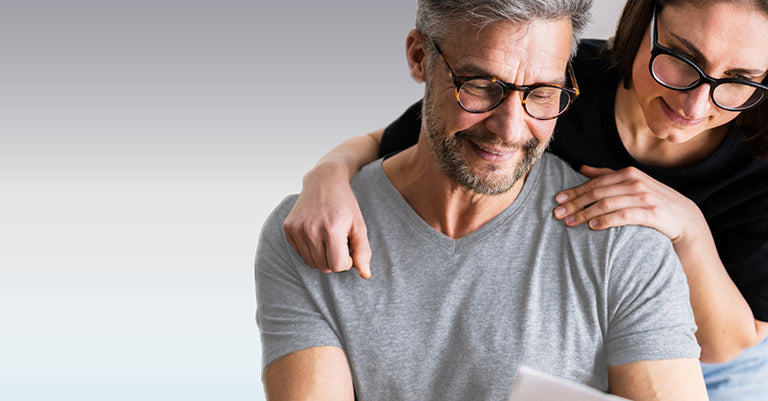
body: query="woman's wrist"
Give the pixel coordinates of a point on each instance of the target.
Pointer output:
(695, 236)
(329, 171)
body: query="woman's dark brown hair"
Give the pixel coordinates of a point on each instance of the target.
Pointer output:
(630, 31)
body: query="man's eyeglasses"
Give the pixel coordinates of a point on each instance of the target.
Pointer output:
(675, 71)
(479, 94)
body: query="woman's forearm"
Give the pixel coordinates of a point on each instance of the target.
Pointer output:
(347, 158)
(326, 225)
(726, 325)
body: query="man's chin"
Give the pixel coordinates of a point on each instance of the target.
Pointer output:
(487, 185)
(500, 184)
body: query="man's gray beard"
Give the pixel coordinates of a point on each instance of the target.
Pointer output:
(449, 158)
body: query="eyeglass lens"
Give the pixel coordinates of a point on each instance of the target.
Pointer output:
(483, 94)
(679, 74)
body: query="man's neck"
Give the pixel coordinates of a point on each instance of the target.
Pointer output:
(449, 208)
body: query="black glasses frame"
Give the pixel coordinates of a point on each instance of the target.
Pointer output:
(657, 50)
(506, 87)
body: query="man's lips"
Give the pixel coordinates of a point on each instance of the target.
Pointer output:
(492, 154)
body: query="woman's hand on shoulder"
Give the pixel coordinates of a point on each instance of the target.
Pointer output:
(629, 196)
(326, 225)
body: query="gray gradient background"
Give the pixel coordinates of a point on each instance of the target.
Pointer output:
(143, 145)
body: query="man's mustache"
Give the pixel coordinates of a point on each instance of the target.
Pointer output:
(491, 140)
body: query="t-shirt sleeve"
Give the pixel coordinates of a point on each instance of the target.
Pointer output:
(403, 132)
(649, 311)
(290, 316)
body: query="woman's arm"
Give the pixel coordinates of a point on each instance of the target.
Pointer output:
(325, 225)
(725, 320)
(726, 325)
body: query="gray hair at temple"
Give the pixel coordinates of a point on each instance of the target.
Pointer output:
(434, 17)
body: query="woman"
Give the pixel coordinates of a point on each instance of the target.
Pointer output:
(671, 128)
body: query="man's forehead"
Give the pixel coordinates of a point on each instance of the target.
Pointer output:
(506, 45)
(544, 37)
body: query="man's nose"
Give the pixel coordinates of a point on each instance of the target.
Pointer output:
(508, 120)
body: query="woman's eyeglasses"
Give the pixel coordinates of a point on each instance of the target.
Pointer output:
(675, 71)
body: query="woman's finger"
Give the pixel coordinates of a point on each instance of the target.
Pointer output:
(336, 251)
(614, 206)
(633, 215)
(594, 172)
(603, 198)
(299, 244)
(626, 175)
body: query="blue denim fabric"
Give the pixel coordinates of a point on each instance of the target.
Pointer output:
(742, 379)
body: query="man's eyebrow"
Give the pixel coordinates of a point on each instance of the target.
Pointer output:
(696, 53)
(473, 70)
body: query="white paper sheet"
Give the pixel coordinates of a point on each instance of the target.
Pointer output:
(533, 385)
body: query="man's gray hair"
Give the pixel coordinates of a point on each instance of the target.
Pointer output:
(434, 18)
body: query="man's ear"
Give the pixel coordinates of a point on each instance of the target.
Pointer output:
(415, 51)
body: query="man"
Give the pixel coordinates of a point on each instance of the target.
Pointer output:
(474, 277)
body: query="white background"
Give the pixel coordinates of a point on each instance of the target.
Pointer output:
(143, 144)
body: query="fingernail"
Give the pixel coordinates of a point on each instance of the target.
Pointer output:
(560, 211)
(365, 272)
(594, 223)
(570, 219)
(561, 197)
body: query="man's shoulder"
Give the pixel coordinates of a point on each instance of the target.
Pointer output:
(286, 204)
(555, 167)
(275, 219)
(369, 171)
(558, 176)
(368, 179)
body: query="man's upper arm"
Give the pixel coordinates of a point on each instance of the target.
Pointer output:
(300, 346)
(668, 379)
(318, 373)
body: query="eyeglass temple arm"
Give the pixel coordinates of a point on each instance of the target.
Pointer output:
(653, 28)
(573, 78)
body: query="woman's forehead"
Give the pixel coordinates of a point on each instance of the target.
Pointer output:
(725, 34)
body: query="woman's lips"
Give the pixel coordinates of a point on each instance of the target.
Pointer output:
(676, 118)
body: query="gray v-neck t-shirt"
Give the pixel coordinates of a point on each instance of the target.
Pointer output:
(445, 319)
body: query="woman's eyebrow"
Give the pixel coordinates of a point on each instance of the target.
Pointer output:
(690, 47)
(696, 53)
